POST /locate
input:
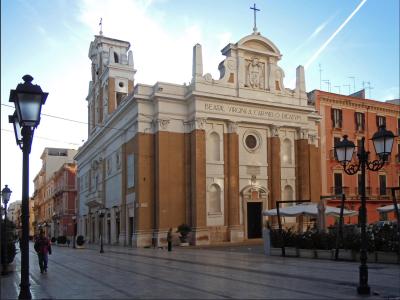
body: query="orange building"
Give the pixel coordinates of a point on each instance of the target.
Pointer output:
(356, 117)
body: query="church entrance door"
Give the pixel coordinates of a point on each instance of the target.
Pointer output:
(254, 223)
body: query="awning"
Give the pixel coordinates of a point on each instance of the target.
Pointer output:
(308, 210)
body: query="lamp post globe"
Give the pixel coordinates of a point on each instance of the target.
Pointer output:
(383, 142)
(28, 100)
(344, 150)
(5, 196)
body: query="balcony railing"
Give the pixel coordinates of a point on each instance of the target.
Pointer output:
(63, 188)
(357, 191)
(94, 198)
(332, 154)
(338, 190)
(383, 193)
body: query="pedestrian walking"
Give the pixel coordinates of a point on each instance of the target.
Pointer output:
(43, 249)
(169, 239)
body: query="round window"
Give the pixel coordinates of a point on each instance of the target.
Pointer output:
(121, 84)
(251, 142)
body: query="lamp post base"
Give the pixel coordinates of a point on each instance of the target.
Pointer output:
(25, 292)
(364, 290)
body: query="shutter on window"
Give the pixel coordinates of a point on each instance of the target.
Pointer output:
(333, 117)
(340, 118)
(363, 121)
(355, 120)
(377, 121)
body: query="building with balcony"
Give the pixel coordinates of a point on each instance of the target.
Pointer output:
(356, 117)
(55, 192)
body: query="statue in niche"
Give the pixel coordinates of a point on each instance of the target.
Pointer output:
(255, 74)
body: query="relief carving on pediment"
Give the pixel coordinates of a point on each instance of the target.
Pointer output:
(255, 74)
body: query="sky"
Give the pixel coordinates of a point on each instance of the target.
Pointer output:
(350, 43)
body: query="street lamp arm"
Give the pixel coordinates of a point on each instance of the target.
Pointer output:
(351, 169)
(375, 165)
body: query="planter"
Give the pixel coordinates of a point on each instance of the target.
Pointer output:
(350, 255)
(307, 253)
(184, 244)
(276, 251)
(80, 247)
(291, 251)
(11, 267)
(324, 254)
(386, 257)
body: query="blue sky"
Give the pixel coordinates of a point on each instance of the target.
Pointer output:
(49, 39)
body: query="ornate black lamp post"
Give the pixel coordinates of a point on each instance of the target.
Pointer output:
(28, 100)
(102, 212)
(5, 195)
(383, 142)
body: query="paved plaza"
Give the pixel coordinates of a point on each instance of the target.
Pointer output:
(240, 272)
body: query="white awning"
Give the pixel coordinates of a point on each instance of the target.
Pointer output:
(386, 209)
(308, 210)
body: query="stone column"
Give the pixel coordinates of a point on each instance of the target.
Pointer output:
(274, 168)
(302, 170)
(302, 166)
(235, 230)
(122, 214)
(200, 234)
(114, 238)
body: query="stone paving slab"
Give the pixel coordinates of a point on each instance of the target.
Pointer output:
(239, 272)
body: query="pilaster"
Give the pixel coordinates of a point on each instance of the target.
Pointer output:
(200, 234)
(235, 230)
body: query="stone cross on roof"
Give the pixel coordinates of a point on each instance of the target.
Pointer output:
(101, 26)
(255, 19)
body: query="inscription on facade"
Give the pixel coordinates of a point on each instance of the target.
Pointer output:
(257, 112)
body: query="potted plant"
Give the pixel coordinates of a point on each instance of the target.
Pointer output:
(184, 231)
(80, 240)
(8, 263)
(62, 240)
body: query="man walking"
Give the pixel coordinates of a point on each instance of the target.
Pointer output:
(42, 248)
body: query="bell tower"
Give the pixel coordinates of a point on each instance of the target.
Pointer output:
(112, 78)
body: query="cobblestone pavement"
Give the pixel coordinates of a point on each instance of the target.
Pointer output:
(241, 272)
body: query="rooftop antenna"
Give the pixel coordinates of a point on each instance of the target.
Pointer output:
(320, 77)
(369, 87)
(348, 85)
(354, 83)
(255, 18)
(101, 26)
(329, 84)
(338, 86)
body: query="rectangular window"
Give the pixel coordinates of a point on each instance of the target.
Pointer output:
(336, 140)
(382, 185)
(338, 183)
(398, 126)
(336, 115)
(359, 121)
(380, 120)
(130, 167)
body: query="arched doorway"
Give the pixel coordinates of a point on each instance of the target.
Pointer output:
(254, 201)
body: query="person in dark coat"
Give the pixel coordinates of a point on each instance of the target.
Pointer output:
(43, 249)
(169, 239)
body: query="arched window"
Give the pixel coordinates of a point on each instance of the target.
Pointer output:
(288, 195)
(116, 57)
(287, 151)
(214, 198)
(214, 147)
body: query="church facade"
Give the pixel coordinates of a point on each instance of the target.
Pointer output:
(212, 154)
